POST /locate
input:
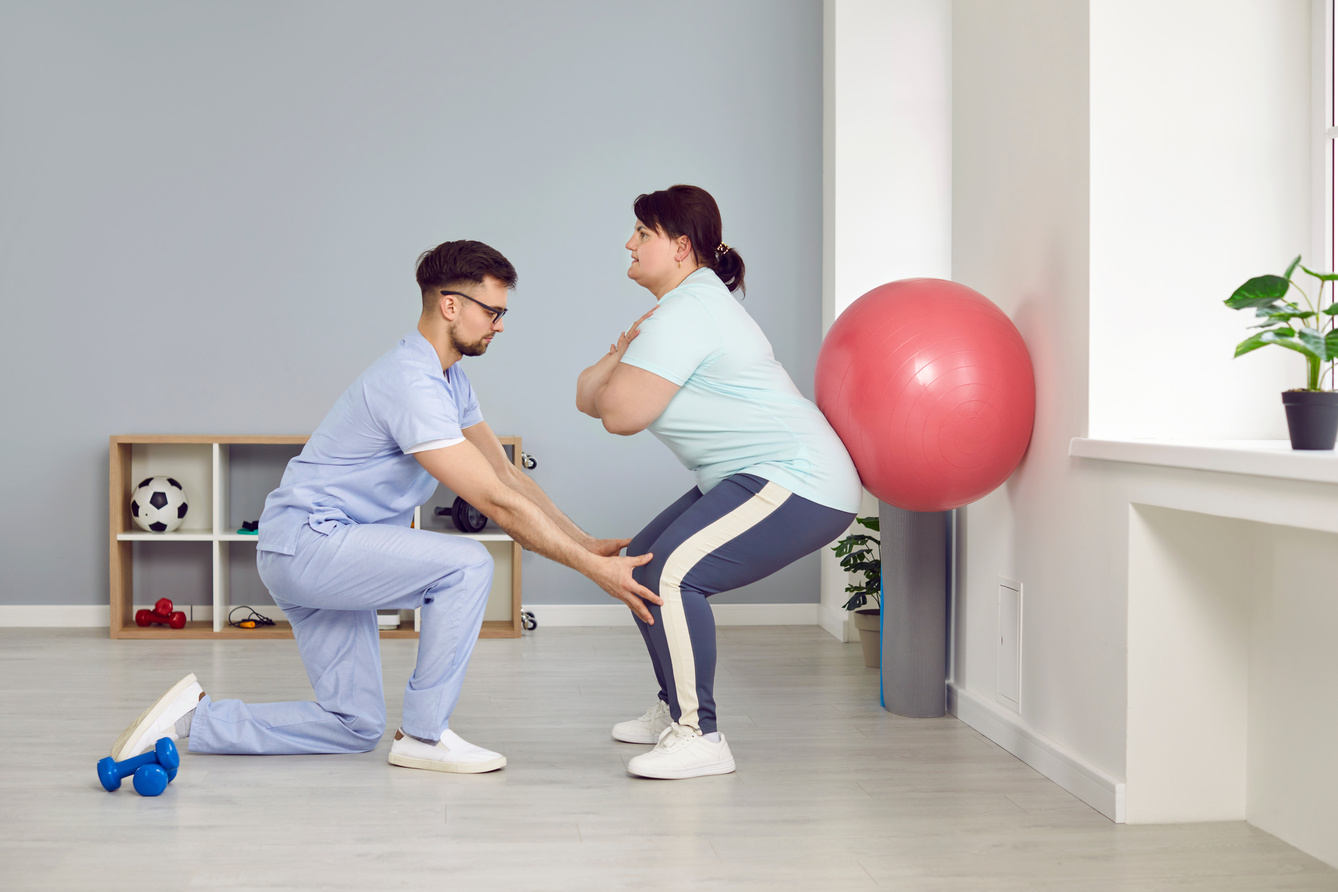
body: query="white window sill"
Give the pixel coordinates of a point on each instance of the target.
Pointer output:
(1258, 458)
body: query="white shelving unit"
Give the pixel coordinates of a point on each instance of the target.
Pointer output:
(203, 466)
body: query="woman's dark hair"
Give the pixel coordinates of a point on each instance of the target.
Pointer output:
(457, 263)
(691, 211)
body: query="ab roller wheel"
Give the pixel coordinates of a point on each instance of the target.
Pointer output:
(466, 517)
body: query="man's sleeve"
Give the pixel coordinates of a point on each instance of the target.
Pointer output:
(674, 341)
(412, 408)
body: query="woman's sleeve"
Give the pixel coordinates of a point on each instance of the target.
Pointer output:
(675, 341)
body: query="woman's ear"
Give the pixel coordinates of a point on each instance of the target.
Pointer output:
(682, 248)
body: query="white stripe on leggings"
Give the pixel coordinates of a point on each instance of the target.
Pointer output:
(676, 568)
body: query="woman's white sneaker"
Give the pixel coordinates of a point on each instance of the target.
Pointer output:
(451, 753)
(682, 752)
(646, 729)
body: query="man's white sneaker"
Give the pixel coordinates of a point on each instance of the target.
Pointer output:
(646, 729)
(451, 753)
(159, 720)
(682, 752)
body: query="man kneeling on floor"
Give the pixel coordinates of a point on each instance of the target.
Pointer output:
(335, 546)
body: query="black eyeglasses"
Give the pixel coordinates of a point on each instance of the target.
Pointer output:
(497, 313)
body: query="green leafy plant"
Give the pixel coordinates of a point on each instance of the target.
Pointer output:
(857, 555)
(1298, 324)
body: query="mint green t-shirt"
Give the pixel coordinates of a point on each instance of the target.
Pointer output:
(737, 411)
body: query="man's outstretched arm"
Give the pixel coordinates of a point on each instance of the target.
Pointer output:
(483, 438)
(469, 474)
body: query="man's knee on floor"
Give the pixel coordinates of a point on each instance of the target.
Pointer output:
(366, 730)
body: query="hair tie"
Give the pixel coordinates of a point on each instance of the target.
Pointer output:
(721, 249)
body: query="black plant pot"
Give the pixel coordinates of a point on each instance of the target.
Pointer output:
(1312, 418)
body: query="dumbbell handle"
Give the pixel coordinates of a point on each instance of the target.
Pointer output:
(164, 753)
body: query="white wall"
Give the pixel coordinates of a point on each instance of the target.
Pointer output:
(1191, 579)
(1200, 170)
(1292, 781)
(891, 145)
(1078, 142)
(1020, 237)
(887, 155)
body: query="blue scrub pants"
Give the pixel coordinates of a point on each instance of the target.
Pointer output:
(743, 530)
(330, 590)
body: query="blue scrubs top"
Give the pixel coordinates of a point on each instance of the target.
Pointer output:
(356, 468)
(737, 411)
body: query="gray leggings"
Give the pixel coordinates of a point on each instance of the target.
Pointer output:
(743, 530)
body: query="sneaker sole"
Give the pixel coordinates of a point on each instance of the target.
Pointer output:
(451, 767)
(684, 773)
(149, 716)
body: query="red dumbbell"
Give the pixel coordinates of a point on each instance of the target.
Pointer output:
(162, 613)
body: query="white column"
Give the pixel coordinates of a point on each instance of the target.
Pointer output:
(887, 167)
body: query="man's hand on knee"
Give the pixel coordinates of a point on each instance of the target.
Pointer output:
(614, 575)
(607, 547)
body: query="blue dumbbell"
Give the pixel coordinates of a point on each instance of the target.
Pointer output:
(152, 771)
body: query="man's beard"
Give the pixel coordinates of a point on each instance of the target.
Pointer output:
(477, 348)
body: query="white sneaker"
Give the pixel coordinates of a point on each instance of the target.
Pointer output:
(451, 753)
(646, 729)
(159, 720)
(682, 752)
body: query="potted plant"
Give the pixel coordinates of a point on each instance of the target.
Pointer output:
(858, 556)
(1297, 323)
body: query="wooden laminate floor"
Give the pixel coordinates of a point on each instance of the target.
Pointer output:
(831, 793)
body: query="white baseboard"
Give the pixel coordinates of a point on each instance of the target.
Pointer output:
(1093, 786)
(835, 621)
(725, 614)
(59, 616)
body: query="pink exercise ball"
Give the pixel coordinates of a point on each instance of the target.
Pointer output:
(930, 387)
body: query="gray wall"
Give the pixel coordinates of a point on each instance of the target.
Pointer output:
(210, 212)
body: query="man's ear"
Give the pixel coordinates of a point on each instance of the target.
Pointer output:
(447, 306)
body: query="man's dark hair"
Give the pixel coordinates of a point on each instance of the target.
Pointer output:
(457, 264)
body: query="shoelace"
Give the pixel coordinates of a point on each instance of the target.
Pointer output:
(675, 736)
(659, 709)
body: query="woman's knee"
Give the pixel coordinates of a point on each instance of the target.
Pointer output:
(640, 544)
(648, 574)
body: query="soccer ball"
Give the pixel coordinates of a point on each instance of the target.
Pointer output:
(158, 504)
